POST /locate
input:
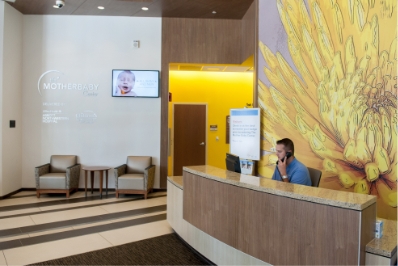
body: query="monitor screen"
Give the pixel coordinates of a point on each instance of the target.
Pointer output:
(135, 83)
(233, 163)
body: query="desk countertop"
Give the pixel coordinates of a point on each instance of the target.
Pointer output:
(176, 180)
(342, 199)
(386, 245)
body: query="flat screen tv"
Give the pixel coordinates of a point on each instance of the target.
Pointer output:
(135, 83)
(233, 163)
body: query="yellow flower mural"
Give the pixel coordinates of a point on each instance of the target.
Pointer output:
(338, 103)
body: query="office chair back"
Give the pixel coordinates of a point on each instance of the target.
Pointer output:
(315, 176)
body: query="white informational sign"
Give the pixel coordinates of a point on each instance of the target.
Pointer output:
(245, 133)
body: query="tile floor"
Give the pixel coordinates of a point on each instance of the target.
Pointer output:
(39, 238)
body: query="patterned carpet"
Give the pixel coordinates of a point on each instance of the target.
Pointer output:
(162, 250)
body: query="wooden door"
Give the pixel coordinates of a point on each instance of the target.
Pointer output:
(189, 136)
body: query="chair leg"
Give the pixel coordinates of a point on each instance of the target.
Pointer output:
(67, 194)
(37, 194)
(117, 194)
(145, 195)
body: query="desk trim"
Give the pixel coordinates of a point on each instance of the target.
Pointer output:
(176, 181)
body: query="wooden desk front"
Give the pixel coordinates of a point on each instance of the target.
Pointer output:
(276, 222)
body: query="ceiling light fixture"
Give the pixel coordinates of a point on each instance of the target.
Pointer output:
(145, 8)
(214, 12)
(59, 4)
(101, 7)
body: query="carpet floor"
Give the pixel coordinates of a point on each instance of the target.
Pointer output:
(163, 250)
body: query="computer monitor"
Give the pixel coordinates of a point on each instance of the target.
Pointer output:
(233, 163)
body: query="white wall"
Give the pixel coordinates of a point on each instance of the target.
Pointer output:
(86, 49)
(11, 97)
(1, 88)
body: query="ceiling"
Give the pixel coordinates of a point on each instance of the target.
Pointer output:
(226, 9)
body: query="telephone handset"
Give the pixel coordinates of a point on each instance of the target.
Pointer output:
(288, 155)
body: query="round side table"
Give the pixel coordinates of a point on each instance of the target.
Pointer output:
(89, 170)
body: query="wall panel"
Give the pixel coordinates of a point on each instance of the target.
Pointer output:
(101, 129)
(213, 41)
(248, 32)
(194, 41)
(11, 106)
(285, 69)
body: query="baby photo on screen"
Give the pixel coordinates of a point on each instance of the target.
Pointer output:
(135, 83)
(124, 83)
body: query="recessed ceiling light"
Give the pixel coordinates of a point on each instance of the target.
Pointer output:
(101, 7)
(214, 12)
(145, 8)
(55, 6)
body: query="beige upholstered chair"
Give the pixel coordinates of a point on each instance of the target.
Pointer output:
(61, 175)
(135, 177)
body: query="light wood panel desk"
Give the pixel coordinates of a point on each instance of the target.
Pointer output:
(237, 219)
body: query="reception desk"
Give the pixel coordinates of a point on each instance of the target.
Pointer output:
(383, 251)
(238, 219)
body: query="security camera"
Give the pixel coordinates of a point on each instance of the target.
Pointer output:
(59, 3)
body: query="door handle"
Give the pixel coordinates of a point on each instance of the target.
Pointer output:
(202, 144)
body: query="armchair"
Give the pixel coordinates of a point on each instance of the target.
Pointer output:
(61, 175)
(137, 176)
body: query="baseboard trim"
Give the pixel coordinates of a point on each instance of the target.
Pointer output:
(113, 190)
(10, 194)
(159, 190)
(28, 189)
(209, 262)
(97, 189)
(80, 189)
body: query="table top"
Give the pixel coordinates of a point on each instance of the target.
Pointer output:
(96, 168)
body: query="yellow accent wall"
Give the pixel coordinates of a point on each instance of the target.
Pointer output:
(221, 91)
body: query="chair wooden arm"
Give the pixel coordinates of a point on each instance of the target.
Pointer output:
(39, 171)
